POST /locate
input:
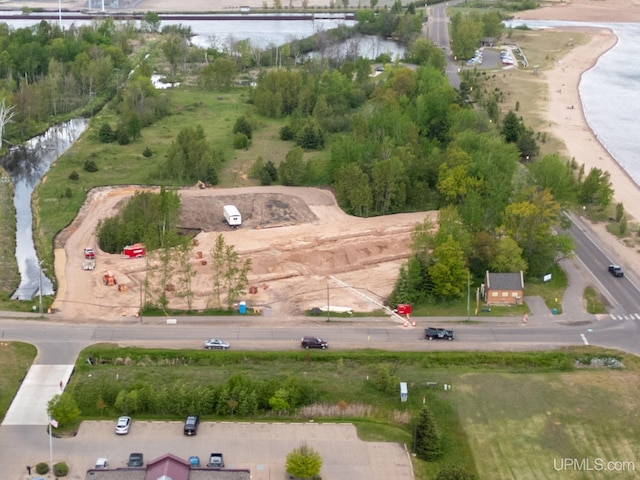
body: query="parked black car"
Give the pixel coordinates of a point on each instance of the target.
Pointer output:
(135, 460)
(431, 333)
(314, 342)
(191, 425)
(616, 271)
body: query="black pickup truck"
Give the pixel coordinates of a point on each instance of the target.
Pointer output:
(431, 333)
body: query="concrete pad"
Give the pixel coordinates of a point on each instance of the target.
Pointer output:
(41, 384)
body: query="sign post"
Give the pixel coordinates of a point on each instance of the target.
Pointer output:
(54, 423)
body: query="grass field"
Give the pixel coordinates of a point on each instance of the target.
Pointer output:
(519, 424)
(506, 416)
(15, 360)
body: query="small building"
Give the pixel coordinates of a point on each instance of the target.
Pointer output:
(489, 42)
(168, 466)
(503, 288)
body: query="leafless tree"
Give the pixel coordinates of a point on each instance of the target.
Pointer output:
(6, 114)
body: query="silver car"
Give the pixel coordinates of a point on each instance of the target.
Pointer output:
(216, 343)
(123, 424)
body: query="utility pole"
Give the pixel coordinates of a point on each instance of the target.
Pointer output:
(328, 308)
(468, 296)
(40, 284)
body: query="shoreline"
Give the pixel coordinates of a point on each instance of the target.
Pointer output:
(563, 84)
(565, 114)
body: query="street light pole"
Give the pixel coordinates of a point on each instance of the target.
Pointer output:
(50, 448)
(40, 284)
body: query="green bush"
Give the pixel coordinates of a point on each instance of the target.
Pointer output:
(90, 166)
(147, 153)
(123, 137)
(42, 468)
(240, 141)
(106, 133)
(243, 126)
(60, 469)
(74, 176)
(287, 133)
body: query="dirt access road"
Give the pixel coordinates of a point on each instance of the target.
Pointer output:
(296, 238)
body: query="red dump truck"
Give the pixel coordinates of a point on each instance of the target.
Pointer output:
(136, 250)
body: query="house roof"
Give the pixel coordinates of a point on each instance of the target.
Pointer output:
(168, 466)
(505, 281)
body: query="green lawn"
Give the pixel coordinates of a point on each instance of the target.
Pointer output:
(15, 360)
(518, 424)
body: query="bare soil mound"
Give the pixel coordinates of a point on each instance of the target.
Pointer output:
(296, 238)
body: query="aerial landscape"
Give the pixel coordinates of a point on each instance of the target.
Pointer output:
(298, 261)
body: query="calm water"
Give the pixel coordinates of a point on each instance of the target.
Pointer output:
(26, 166)
(261, 33)
(610, 94)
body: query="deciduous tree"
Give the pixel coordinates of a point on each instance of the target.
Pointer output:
(291, 170)
(303, 462)
(230, 273)
(6, 115)
(449, 273)
(63, 409)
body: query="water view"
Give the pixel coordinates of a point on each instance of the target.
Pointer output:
(26, 165)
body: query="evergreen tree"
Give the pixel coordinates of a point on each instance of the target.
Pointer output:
(511, 127)
(428, 445)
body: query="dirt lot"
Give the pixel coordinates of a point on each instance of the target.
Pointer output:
(296, 238)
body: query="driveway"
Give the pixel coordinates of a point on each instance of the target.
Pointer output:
(261, 447)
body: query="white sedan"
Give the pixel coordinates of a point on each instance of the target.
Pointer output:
(215, 343)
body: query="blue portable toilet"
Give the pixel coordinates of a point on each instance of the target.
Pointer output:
(242, 308)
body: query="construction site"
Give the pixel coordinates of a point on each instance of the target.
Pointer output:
(305, 253)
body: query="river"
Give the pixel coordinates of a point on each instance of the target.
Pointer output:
(26, 165)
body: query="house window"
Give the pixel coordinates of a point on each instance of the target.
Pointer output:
(515, 294)
(494, 294)
(505, 294)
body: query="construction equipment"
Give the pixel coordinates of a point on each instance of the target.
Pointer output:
(88, 264)
(136, 250)
(108, 279)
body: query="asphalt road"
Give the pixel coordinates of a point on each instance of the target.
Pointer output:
(59, 341)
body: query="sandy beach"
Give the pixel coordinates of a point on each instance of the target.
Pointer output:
(564, 107)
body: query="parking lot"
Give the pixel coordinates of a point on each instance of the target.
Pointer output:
(261, 447)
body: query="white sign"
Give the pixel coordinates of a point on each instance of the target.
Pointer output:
(547, 278)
